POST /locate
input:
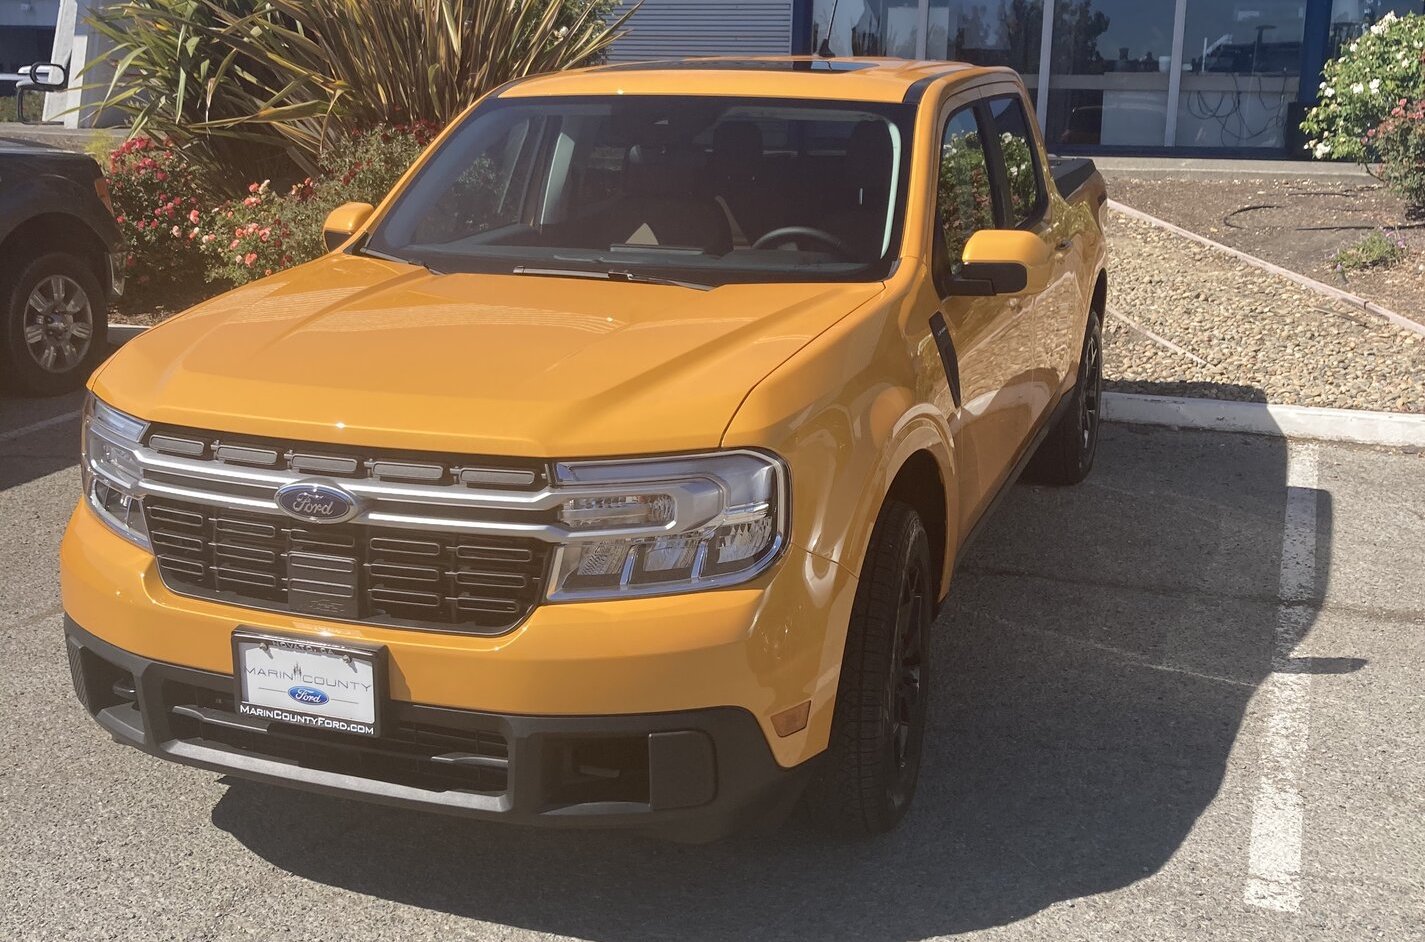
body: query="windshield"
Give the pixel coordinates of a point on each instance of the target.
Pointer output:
(708, 190)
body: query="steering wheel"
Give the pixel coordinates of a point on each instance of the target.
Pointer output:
(779, 237)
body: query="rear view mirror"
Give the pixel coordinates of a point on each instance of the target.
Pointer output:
(344, 222)
(1002, 261)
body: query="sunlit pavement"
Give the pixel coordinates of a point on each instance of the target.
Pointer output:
(1183, 700)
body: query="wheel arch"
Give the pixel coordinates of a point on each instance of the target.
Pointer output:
(920, 483)
(55, 231)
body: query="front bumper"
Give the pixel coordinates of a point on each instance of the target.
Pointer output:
(764, 648)
(691, 775)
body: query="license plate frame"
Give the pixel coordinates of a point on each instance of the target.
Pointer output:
(354, 665)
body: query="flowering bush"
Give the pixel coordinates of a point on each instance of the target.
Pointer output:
(1386, 64)
(1400, 141)
(178, 234)
(153, 197)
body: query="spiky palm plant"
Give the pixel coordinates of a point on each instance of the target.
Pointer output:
(239, 84)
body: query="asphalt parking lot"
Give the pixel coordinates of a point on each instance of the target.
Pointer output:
(1183, 700)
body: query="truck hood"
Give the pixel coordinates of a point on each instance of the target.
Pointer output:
(358, 351)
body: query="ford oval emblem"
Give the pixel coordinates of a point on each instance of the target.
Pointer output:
(307, 695)
(316, 502)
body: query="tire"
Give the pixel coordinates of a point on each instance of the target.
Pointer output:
(1067, 452)
(55, 326)
(872, 763)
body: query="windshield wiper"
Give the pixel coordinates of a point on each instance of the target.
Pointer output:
(396, 258)
(615, 275)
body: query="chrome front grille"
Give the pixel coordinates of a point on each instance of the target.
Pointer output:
(440, 543)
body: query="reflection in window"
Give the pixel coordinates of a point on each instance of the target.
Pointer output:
(987, 32)
(1092, 37)
(868, 27)
(1351, 18)
(964, 203)
(1088, 117)
(1257, 37)
(1016, 144)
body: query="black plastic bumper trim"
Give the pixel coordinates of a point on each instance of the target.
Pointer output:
(710, 771)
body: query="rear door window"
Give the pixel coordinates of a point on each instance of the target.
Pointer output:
(1017, 162)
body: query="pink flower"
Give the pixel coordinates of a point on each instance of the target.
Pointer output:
(254, 187)
(251, 201)
(234, 244)
(193, 217)
(119, 219)
(176, 232)
(249, 258)
(161, 176)
(208, 238)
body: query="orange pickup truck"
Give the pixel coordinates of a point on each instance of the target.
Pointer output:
(612, 471)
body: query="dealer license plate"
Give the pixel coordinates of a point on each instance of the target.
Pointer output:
(321, 685)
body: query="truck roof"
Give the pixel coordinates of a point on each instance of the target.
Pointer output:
(845, 79)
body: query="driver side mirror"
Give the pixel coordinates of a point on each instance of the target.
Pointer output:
(344, 222)
(1002, 261)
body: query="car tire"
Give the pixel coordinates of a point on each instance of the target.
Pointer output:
(1067, 452)
(872, 764)
(55, 325)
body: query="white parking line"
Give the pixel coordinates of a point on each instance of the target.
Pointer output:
(38, 426)
(1274, 856)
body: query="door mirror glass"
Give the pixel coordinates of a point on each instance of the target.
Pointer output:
(343, 222)
(47, 76)
(1003, 261)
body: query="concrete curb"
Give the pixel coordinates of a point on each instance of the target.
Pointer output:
(1395, 429)
(120, 334)
(1318, 286)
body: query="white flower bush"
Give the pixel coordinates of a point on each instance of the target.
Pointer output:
(1378, 71)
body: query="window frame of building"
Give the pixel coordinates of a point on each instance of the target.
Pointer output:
(1180, 85)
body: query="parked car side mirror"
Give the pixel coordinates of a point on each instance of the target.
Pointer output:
(55, 76)
(344, 222)
(1002, 261)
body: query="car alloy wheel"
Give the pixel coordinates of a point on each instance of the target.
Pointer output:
(58, 323)
(904, 690)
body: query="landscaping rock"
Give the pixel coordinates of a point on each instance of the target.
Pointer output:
(1264, 338)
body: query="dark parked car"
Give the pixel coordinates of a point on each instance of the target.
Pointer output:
(61, 263)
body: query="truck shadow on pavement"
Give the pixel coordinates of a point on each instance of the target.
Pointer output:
(1094, 668)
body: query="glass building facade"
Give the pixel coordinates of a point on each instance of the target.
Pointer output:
(1144, 76)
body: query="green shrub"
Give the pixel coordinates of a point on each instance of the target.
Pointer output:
(1400, 141)
(154, 198)
(265, 88)
(265, 231)
(1377, 250)
(1386, 64)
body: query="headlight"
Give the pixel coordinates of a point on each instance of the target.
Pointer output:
(111, 469)
(661, 525)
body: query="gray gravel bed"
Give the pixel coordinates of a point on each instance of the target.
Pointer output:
(1263, 337)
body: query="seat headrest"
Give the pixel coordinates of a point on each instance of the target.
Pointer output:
(736, 147)
(868, 154)
(661, 169)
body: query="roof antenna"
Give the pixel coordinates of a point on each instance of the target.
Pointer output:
(824, 50)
